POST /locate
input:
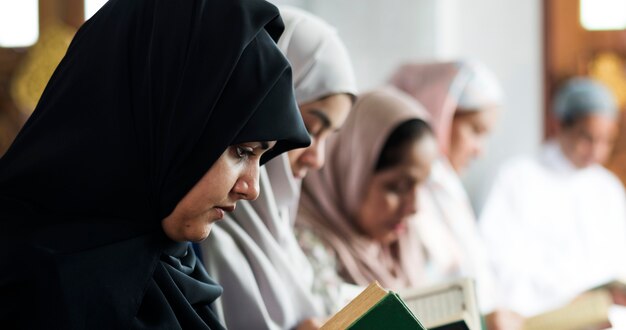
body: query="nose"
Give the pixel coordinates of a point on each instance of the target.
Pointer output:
(313, 157)
(247, 185)
(411, 202)
(479, 148)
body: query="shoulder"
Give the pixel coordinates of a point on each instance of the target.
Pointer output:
(517, 170)
(313, 244)
(607, 179)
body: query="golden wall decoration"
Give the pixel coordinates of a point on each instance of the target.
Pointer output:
(608, 67)
(32, 74)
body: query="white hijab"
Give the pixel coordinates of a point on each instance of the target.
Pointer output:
(253, 253)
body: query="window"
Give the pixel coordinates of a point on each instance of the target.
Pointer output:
(92, 6)
(19, 23)
(603, 14)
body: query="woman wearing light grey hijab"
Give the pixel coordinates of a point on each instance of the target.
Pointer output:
(555, 222)
(253, 253)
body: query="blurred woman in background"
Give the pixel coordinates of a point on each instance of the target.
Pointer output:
(355, 212)
(556, 221)
(463, 99)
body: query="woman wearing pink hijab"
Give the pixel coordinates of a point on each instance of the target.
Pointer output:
(463, 99)
(355, 212)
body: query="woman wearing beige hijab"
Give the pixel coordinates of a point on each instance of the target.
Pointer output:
(355, 212)
(253, 254)
(463, 99)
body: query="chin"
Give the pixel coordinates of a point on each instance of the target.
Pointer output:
(200, 235)
(388, 239)
(299, 175)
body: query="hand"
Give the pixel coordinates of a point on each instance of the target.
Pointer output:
(619, 295)
(310, 324)
(502, 319)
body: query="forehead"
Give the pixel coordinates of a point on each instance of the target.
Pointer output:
(597, 124)
(334, 108)
(417, 157)
(480, 116)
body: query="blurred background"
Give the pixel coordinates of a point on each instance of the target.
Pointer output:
(531, 45)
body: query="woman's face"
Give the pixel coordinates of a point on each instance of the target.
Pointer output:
(468, 135)
(321, 118)
(234, 176)
(589, 140)
(391, 196)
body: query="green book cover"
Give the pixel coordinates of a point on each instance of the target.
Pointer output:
(458, 325)
(389, 313)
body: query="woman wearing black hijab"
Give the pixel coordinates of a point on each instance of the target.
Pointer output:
(152, 126)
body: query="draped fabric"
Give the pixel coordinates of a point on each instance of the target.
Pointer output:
(580, 97)
(446, 223)
(147, 98)
(320, 61)
(444, 88)
(254, 253)
(331, 197)
(553, 230)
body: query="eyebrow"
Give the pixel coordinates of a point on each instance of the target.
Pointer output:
(322, 117)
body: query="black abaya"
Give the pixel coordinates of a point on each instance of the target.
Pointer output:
(148, 96)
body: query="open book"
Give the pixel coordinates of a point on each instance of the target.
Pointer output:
(447, 306)
(374, 308)
(590, 310)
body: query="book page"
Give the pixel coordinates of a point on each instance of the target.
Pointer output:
(588, 310)
(445, 303)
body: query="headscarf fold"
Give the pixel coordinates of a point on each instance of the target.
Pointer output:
(147, 98)
(444, 88)
(320, 61)
(580, 96)
(331, 197)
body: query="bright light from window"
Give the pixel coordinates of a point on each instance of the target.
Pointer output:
(92, 6)
(19, 23)
(603, 14)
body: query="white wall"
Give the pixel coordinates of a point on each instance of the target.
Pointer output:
(506, 35)
(503, 34)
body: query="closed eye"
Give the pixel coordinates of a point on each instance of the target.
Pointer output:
(244, 152)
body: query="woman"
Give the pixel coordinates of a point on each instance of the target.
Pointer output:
(463, 99)
(555, 220)
(153, 126)
(254, 254)
(354, 213)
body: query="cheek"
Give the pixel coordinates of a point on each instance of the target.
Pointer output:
(582, 147)
(294, 155)
(379, 207)
(220, 185)
(461, 141)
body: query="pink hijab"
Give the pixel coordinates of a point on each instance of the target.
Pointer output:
(331, 197)
(446, 87)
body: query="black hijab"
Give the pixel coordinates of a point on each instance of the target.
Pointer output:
(147, 98)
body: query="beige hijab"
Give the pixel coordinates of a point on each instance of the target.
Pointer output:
(331, 197)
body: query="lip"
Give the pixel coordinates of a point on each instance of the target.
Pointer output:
(228, 208)
(398, 227)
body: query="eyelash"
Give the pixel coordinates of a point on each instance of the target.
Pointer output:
(243, 152)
